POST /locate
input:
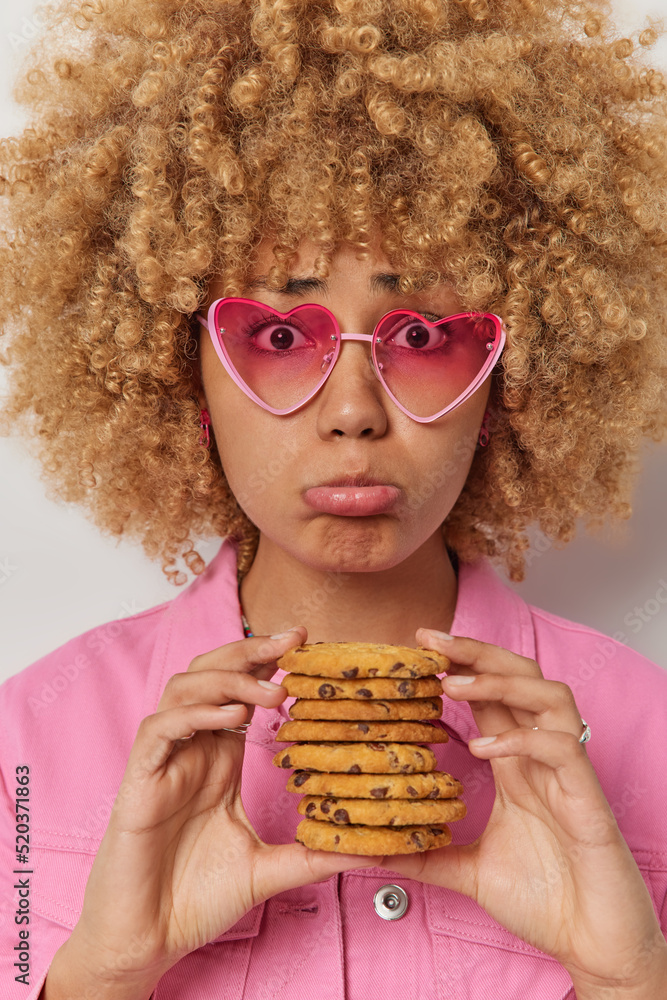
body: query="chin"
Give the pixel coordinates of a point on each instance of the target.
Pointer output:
(356, 548)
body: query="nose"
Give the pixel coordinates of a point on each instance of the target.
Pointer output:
(351, 400)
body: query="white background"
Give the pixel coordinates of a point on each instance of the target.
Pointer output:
(59, 577)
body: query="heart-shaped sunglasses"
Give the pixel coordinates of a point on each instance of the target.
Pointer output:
(280, 360)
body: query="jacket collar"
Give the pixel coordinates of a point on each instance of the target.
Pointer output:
(206, 615)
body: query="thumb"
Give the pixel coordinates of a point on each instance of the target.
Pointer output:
(452, 867)
(287, 866)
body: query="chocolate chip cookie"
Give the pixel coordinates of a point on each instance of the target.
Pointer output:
(363, 688)
(358, 758)
(403, 709)
(432, 785)
(383, 840)
(375, 812)
(394, 732)
(362, 659)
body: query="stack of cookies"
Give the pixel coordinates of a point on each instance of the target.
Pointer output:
(359, 731)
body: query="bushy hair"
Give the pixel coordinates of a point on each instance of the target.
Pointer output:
(515, 149)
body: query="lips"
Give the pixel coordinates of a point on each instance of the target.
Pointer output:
(353, 496)
(353, 481)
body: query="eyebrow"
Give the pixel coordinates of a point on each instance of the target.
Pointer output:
(381, 282)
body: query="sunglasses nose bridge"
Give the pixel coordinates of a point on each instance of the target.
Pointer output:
(368, 337)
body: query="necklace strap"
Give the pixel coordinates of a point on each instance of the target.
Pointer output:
(247, 631)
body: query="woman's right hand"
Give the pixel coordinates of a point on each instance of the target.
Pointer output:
(180, 862)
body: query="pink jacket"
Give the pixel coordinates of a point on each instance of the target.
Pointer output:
(72, 717)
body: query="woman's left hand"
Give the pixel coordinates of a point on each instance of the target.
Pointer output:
(552, 865)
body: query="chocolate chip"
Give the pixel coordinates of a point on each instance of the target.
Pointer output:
(411, 791)
(363, 728)
(379, 793)
(326, 805)
(419, 757)
(341, 816)
(392, 821)
(355, 769)
(301, 778)
(406, 769)
(406, 688)
(310, 808)
(396, 666)
(352, 672)
(435, 794)
(372, 671)
(435, 829)
(326, 690)
(286, 762)
(416, 838)
(336, 839)
(383, 705)
(364, 693)
(376, 746)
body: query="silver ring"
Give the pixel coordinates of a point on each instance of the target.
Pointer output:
(586, 735)
(242, 729)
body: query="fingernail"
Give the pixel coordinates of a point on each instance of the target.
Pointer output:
(229, 708)
(482, 741)
(283, 635)
(438, 635)
(269, 685)
(458, 679)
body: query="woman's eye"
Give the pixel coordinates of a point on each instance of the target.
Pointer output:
(279, 337)
(418, 334)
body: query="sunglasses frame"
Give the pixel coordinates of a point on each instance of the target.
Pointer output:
(218, 343)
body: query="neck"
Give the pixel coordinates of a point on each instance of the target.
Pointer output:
(385, 606)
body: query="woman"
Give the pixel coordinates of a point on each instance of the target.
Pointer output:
(330, 164)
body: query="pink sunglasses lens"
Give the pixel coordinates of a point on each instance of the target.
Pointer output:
(427, 366)
(281, 357)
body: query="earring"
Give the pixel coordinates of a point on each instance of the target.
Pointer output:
(484, 435)
(204, 423)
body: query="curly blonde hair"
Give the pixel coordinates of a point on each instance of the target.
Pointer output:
(515, 149)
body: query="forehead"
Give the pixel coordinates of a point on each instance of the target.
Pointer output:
(343, 272)
(348, 266)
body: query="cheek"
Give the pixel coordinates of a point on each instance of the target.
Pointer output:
(242, 440)
(441, 459)
(259, 463)
(442, 475)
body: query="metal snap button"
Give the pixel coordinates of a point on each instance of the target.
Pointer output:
(390, 902)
